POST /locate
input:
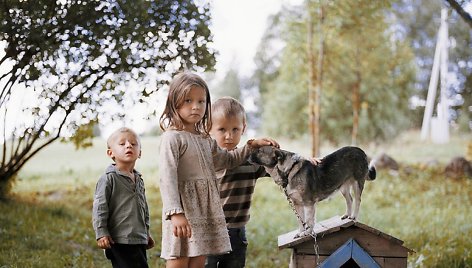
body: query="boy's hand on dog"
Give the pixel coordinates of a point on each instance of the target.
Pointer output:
(181, 227)
(315, 161)
(105, 242)
(256, 143)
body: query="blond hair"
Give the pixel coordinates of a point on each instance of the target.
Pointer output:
(119, 131)
(179, 87)
(228, 107)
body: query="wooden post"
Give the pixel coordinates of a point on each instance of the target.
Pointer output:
(315, 78)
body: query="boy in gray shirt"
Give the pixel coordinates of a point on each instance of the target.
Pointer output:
(120, 212)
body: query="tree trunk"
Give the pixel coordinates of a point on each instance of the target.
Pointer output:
(315, 80)
(356, 107)
(356, 104)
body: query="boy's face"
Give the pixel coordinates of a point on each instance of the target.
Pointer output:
(227, 131)
(124, 148)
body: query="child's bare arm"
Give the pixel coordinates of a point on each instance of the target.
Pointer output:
(256, 143)
(181, 227)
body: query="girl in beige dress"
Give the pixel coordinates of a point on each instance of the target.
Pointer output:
(193, 223)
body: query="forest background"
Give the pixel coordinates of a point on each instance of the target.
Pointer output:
(67, 79)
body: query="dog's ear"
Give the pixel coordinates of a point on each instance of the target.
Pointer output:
(279, 155)
(283, 166)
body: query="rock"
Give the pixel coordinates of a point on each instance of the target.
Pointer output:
(384, 161)
(458, 167)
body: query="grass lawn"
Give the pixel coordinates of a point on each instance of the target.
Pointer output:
(47, 221)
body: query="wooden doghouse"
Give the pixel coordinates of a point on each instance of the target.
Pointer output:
(344, 243)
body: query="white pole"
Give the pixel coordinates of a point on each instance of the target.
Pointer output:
(433, 84)
(444, 73)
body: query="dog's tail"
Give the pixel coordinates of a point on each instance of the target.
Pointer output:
(372, 171)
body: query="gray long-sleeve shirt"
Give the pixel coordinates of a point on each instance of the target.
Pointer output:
(120, 208)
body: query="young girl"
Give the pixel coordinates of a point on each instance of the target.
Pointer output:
(193, 223)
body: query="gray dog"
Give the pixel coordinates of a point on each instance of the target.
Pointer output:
(306, 184)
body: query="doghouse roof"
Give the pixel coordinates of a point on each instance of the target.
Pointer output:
(331, 226)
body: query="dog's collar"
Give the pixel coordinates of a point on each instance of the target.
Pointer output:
(284, 174)
(295, 158)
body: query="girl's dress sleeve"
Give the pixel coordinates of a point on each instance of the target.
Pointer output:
(169, 155)
(224, 159)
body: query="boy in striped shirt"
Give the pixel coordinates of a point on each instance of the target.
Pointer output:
(236, 185)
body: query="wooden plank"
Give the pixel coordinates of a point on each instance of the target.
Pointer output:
(321, 228)
(395, 262)
(339, 257)
(368, 228)
(371, 243)
(382, 234)
(288, 240)
(330, 226)
(380, 261)
(305, 261)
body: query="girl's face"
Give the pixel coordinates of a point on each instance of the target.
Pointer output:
(193, 108)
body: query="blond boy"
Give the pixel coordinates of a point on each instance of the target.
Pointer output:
(237, 184)
(120, 212)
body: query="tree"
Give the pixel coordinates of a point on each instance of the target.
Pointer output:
(229, 86)
(268, 56)
(419, 22)
(459, 7)
(75, 57)
(367, 75)
(281, 84)
(315, 77)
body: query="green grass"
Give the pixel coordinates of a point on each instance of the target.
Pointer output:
(47, 221)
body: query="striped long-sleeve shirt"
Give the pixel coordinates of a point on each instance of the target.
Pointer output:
(236, 189)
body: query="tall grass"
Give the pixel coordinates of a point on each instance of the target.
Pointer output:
(47, 222)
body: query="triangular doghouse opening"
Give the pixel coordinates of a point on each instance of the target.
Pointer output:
(351, 255)
(350, 264)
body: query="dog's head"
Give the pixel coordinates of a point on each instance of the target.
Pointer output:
(278, 162)
(267, 156)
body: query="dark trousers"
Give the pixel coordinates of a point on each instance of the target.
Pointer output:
(127, 256)
(237, 257)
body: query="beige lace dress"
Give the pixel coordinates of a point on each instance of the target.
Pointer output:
(188, 185)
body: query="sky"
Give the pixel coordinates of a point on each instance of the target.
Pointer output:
(238, 27)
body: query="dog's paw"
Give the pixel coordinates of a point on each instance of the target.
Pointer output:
(306, 232)
(348, 217)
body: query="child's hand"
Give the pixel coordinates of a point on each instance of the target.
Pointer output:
(315, 161)
(181, 226)
(150, 243)
(256, 143)
(105, 242)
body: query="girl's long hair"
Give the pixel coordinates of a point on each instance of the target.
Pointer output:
(178, 89)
